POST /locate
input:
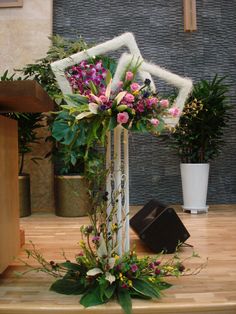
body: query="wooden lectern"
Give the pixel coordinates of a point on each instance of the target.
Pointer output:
(16, 96)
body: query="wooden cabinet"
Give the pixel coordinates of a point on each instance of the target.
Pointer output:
(9, 198)
(19, 96)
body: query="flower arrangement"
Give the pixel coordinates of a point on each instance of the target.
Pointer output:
(97, 107)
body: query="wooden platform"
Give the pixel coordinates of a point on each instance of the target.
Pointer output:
(213, 291)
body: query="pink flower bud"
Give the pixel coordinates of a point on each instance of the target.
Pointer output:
(164, 103)
(154, 121)
(129, 76)
(120, 84)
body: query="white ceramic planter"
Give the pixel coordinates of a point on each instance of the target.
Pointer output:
(194, 186)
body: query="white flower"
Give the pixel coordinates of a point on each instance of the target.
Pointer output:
(109, 277)
(102, 249)
(120, 96)
(111, 262)
(94, 272)
(84, 115)
(93, 107)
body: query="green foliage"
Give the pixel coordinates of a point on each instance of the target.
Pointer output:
(100, 278)
(41, 70)
(198, 136)
(67, 286)
(124, 300)
(71, 144)
(67, 157)
(144, 287)
(27, 125)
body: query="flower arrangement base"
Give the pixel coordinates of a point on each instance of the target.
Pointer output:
(98, 278)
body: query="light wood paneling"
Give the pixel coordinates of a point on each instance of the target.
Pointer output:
(11, 3)
(213, 291)
(9, 199)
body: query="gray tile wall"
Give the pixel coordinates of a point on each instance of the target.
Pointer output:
(158, 28)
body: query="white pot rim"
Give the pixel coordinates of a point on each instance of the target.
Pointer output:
(195, 163)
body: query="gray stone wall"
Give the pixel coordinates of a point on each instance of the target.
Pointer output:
(158, 28)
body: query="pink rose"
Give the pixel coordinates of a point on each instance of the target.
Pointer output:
(140, 107)
(122, 117)
(164, 103)
(103, 99)
(154, 121)
(134, 87)
(129, 76)
(174, 111)
(129, 97)
(151, 101)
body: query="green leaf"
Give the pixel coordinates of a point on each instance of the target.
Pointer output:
(109, 291)
(145, 288)
(108, 77)
(71, 266)
(162, 285)
(77, 98)
(124, 300)
(92, 297)
(67, 286)
(93, 88)
(59, 130)
(112, 123)
(136, 295)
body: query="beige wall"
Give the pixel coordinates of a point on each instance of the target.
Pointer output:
(24, 33)
(23, 39)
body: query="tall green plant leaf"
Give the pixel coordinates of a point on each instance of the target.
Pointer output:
(124, 300)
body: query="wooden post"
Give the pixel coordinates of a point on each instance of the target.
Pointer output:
(190, 20)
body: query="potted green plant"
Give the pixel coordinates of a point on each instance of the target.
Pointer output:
(27, 135)
(72, 173)
(71, 196)
(198, 139)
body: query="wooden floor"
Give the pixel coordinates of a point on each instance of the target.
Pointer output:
(212, 291)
